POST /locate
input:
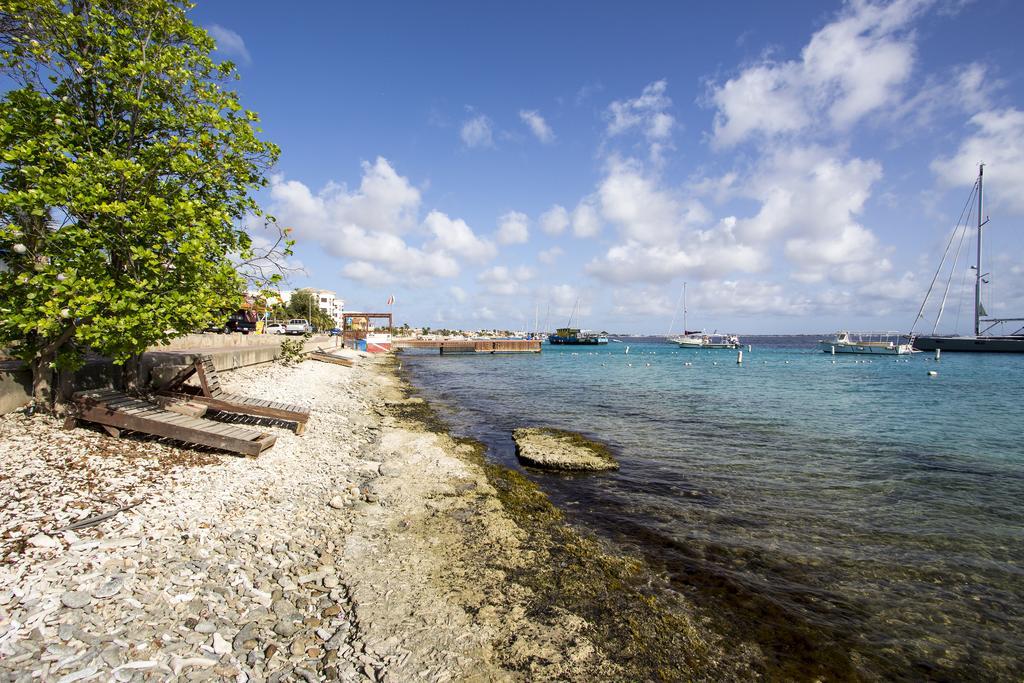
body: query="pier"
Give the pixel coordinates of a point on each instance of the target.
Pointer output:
(471, 345)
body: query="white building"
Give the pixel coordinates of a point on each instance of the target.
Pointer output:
(327, 301)
(330, 304)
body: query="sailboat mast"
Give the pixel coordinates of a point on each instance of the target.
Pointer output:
(977, 272)
(685, 332)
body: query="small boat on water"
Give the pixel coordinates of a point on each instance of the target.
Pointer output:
(569, 335)
(572, 335)
(885, 343)
(698, 339)
(981, 340)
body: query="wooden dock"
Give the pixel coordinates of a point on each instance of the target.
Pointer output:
(471, 345)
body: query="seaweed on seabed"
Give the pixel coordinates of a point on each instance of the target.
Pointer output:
(650, 636)
(414, 408)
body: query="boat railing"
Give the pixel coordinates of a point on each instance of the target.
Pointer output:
(894, 338)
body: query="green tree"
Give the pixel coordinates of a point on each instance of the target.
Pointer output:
(126, 169)
(304, 304)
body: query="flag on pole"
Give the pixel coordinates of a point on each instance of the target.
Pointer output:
(391, 300)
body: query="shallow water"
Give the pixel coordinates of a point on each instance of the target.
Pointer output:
(859, 513)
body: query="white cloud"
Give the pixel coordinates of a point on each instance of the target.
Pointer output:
(711, 254)
(999, 142)
(631, 303)
(663, 233)
(458, 293)
(513, 228)
(549, 256)
(368, 273)
(457, 237)
(964, 88)
(647, 114)
(384, 202)
(564, 300)
(477, 132)
(810, 201)
(761, 99)
(852, 66)
(505, 281)
(368, 226)
(586, 222)
(643, 112)
(230, 43)
(715, 297)
(538, 126)
(642, 211)
(807, 190)
(555, 220)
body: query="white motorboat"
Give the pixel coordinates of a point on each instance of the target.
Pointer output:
(884, 343)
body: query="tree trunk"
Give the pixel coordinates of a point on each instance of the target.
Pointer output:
(42, 382)
(42, 370)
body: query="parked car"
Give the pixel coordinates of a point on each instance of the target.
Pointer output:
(335, 332)
(298, 326)
(240, 321)
(274, 328)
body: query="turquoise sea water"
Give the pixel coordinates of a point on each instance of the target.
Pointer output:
(859, 513)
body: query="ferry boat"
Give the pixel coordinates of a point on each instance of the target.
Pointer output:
(980, 340)
(572, 335)
(885, 343)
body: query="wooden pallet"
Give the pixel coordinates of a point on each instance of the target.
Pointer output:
(117, 411)
(325, 357)
(216, 398)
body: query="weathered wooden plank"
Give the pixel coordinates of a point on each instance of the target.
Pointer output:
(297, 415)
(116, 401)
(253, 445)
(133, 407)
(328, 358)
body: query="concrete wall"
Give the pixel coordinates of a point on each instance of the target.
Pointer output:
(220, 341)
(161, 362)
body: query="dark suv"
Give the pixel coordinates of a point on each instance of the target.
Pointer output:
(239, 321)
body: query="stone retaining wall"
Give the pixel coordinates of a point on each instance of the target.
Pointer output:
(232, 351)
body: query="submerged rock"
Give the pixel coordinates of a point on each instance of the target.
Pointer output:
(556, 449)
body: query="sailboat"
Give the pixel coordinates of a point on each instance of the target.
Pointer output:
(980, 341)
(573, 335)
(698, 339)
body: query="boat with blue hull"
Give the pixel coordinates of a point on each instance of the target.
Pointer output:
(570, 335)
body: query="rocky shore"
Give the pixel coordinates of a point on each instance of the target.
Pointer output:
(353, 552)
(373, 547)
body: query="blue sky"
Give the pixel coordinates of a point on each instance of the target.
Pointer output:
(800, 165)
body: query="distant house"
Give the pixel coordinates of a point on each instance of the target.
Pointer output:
(326, 300)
